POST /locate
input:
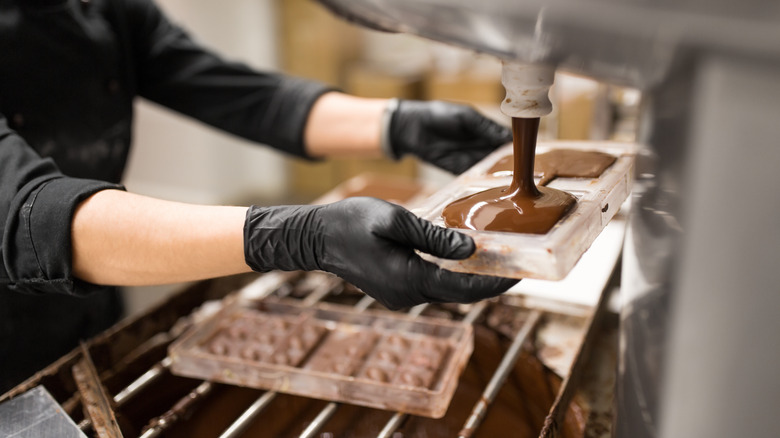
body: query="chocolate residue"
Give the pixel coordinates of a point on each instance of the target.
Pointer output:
(270, 339)
(564, 163)
(520, 207)
(518, 410)
(401, 359)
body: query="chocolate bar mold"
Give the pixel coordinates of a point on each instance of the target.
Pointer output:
(374, 358)
(552, 255)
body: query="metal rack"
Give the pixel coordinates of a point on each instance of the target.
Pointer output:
(324, 287)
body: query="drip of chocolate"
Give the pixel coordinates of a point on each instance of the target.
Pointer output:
(520, 207)
(564, 163)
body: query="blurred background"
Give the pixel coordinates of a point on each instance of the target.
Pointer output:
(178, 159)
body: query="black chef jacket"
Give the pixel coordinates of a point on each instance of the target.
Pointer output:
(69, 71)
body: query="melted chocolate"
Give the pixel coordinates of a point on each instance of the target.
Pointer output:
(565, 163)
(520, 207)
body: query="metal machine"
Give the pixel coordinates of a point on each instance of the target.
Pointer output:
(700, 285)
(699, 282)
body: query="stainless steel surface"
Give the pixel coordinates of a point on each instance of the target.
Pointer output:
(499, 376)
(364, 303)
(417, 310)
(392, 425)
(322, 290)
(320, 420)
(475, 311)
(36, 414)
(151, 433)
(723, 357)
(701, 254)
(246, 418)
(146, 379)
(626, 42)
(179, 410)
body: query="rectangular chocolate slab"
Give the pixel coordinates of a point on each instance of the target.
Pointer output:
(373, 358)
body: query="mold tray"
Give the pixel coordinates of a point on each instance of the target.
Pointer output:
(372, 358)
(542, 256)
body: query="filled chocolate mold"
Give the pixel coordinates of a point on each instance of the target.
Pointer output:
(374, 358)
(552, 254)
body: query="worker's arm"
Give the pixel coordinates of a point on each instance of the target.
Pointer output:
(63, 235)
(121, 238)
(37, 203)
(176, 71)
(125, 239)
(342, 125)
(294, 115)
(452, 137)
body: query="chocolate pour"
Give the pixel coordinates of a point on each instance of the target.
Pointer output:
(564, 163)
(521, 207)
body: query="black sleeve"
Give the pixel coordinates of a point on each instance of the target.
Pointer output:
(175, 71)
(37, 203)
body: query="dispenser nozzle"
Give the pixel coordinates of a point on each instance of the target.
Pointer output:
(526, 87)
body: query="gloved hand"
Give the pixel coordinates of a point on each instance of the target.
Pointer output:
(452, 137)
(369, 243)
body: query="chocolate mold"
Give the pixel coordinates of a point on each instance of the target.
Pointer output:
(547, 256)
(373, 358)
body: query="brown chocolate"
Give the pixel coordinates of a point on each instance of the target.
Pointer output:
(564, 163)
(405, 361)
(411, 378)
(251, 352)
(520, 207)
(519, 409)
(273, 340)
(376, 373)
(341, 352)
(388, 356)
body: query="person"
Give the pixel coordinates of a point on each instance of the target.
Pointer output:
(70, 71)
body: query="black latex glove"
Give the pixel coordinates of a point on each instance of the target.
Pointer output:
(369, 243)
(452, 137)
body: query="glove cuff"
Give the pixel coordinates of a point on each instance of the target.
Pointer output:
(281, 237)
(384, 135)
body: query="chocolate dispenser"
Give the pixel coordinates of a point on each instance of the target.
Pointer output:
(520, 207)
(699, 284)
